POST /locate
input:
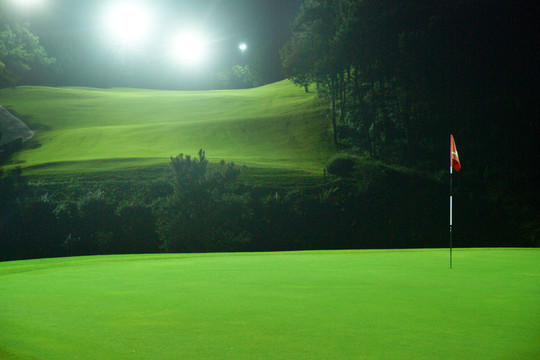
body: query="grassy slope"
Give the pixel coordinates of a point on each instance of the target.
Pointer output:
(81, 129)
(306, 305)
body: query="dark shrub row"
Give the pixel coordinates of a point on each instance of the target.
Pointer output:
(207, 209)
(43, 228)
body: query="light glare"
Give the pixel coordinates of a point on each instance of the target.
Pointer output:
(25, 4)
(190, 48)
(28, 2)
(129, 22)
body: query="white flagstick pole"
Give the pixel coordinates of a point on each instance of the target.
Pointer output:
(450, 216)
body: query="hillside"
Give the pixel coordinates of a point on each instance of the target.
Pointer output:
(277, 126)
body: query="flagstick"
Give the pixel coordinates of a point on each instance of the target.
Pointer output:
(450, 216)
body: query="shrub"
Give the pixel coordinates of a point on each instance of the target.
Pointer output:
(186, 225)
(342, 165)
(224, 178)
(189, 173)
(92, 227)
(205, 213)
(37, 230)
(371, 173)
(13, 191)
(137, 233)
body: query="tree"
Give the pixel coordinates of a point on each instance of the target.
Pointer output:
(311, 54)
(296, 59)
(20, 52)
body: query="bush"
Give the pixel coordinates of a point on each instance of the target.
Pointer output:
(224, 178)
(189, 173)
(342, 165)
(205, 213)
(36, 230)
(138, 234)
(92, 227)
(12, 186)
(13, 191)
(371, 173)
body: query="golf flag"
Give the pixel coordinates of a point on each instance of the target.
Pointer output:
(454, 164)
(454, 157)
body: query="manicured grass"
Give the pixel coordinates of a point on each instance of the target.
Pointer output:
(300, 305)
(79, 130)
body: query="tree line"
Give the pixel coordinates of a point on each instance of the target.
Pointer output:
(400, 76)
(397, 74)
(197, 207)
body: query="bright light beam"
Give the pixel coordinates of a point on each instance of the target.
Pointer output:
(190, 48)
(242, 47)
(129, 22)
(28, 3)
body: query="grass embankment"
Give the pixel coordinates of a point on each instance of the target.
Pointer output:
(305, 305)
(79, 130)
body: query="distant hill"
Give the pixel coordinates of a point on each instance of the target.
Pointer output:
(78, 129)
(13, 128)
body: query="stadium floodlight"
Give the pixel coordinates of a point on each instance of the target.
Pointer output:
(129, 22)
(190, 48)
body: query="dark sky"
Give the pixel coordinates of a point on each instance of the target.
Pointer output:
(74, 32)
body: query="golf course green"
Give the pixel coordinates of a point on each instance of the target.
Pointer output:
(404, 304)
(79, 130)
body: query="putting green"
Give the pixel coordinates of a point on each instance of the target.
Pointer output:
(300, 305)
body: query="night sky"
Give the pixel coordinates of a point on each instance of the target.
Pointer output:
(75, 33)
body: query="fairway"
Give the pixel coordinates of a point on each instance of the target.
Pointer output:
(78, 130)
(302, 305)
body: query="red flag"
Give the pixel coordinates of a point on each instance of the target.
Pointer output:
(454, 157)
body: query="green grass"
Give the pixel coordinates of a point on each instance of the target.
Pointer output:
(82, 130)
(302, 305)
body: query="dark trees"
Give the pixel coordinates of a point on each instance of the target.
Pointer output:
(20, 53)
(400, 76)
(400, 73)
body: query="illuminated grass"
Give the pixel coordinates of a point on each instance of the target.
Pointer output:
(304, 305)
(276, 126)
